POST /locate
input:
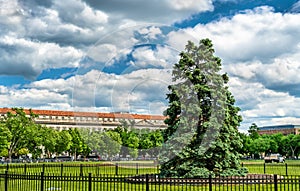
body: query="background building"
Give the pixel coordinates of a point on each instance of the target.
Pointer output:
(93, 120)
(284, 129)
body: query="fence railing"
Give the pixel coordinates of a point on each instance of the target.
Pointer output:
(148, 182)
(274, 168)
(94, 168)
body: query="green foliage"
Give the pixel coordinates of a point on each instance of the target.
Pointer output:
(122, 141)
(130, 142)
(78, 145)
(49, 140)
(235, 172)
(23, 151)
(246, 142)
(112, 142)
(4, 153)
(63, 141)
(202, 136)
(5, 135)
(257, 145)
(253, 131)
(33, 143)
(260, 145)
(19, 126)
(135, 140)
(198, 172)
(93, 139)
(291, 145)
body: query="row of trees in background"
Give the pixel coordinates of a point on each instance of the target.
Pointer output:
(20, 135)
(123, 141)
(256, 145)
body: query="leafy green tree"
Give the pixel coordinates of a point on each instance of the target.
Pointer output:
(33, 143)
(295, 145)
(20, 127)
(291, 144)
(130, 141)
(273, 145)
(157, 139)
(112, 143)
(49, 140)
(145, 140)
(4, 153)
(253, 131)
(78, 145)
(23, 151)
(285, 146)
(277, 138)
(93, 139)
(63, 141)
(103, 143)
(246, 142)
(5, 135)
(202, 119)
(138, 140)
(150, 141)
(260, 146)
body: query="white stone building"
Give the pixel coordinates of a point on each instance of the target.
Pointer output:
(93, 120)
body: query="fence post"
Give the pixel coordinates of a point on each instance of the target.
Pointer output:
(210, 182)
(61, 169)
(6, 181)
(42, 181)
(24, 168)
(275, 182)
(147, 182)
(286, 169)
(43, 168)
(116, 168)
(97, 170)
(81, 170)
(137, 168)
(264, 168)
(7, 166)
(90, 182)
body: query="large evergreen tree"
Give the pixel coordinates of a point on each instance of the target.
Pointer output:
(202, 136)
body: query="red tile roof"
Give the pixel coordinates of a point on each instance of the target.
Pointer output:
(88, 114)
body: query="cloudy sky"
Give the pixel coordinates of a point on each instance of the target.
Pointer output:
(117, 55)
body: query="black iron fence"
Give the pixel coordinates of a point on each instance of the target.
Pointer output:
(88, 182)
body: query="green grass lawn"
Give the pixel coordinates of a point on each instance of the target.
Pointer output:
(96, 168)
(290, 167)
(262, 161)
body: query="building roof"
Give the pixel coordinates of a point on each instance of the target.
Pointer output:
(275, 127)
(88, 114)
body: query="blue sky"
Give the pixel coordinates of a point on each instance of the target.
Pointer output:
(117, 55)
